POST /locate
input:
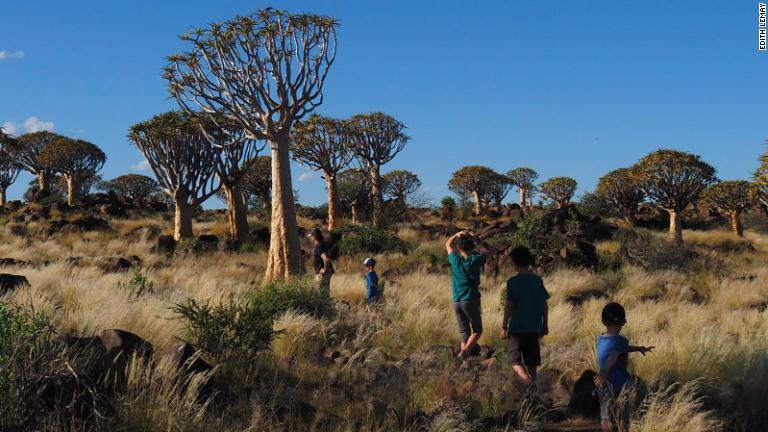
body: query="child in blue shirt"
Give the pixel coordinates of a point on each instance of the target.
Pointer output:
(613, 358)
(372, 291)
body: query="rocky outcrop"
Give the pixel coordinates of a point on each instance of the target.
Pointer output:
(11, 282)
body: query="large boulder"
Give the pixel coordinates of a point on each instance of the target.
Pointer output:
(10, 282)
(165, 245)
(260, 236)
(584, 402)
(121, 343)
(116, 264)
(186, 358)
(208, 242)
(77, 225)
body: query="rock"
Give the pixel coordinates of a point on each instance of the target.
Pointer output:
(584, 402)
(208, 242)
(185, 357)
(10, 282)
(78, 225)
(124, 344)
(112, 210)
(261, 236)
(759, 306)
(12, 206)
(116, 264)
(12, 262)
(165, 245)
(73, 396)
(75, 261)
(378, 409)
(578, 299)
(295, 410)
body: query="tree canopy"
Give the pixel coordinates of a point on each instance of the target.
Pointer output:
(731, 197)
(559, 190)
(25, 151)
(524, 179)
(398, 184)
(621, 189)
(257, 182)
(473, 181)
(76, 160)
(135, 189)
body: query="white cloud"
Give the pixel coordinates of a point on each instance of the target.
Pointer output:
(141, 166)
(9, 128)
(10, 55)
(34, 124)
(307, 176)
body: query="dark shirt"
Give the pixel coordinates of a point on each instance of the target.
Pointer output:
(529, 300)
(317, 257)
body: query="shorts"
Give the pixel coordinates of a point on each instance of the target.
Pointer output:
(524, 349)
(469, 317)
(615, 410)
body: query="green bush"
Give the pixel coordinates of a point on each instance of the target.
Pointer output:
(652, 252)
(534, 233)
(592, 204)
(236, 330)
(363, 239)
(25, 339)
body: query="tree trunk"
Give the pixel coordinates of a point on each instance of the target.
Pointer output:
(73, 190)
(376, 194)
(284, 248)
(3, 197)
(333, 200)
(182, 228)
(43, 181)
(237, 213)
(630, 216)
(522, 197)
(477, 204)
(736, 227)
(353, 208)
(675, 227)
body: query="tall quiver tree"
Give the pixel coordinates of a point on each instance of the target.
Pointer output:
(76, 160)
(761, 181)
(182, 160)
(525, 180)
(257, 182)
(376, 139)
(732, 198)
(620, 188)
(354, 192)
(9, 170)
(498, 189)
(25, 151)
(322, 143)
(473, 181)
(235, 152)
(398, 184)
(263, 71)
(559, 190)
(673, 180)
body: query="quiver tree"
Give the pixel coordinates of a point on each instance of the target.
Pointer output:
(376, 139)
(183, 161)
(399, 184)
(559, 190)
(235, 152)
(619, 187)
(525, 180)
(263, 72)
(355, 192)
(498, 188)
(9, 170)
(761, 181)
(76, 160)
(322, 143)
(257, 183)
(25, 151)
(133, 189)
(673, 180)
(732, 198)
(475, 182)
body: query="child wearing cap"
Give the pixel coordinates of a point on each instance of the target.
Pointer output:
(372, 292)
(613, 358)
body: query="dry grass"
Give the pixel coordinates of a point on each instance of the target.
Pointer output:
(721, 338)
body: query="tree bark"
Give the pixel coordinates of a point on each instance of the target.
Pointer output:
(376, 194)
(183, 222)
(353, 209)
(675, 227)
(477, 204)
(3, 197)
(284, 258)
(73, 190)
(736, 227)
(630, 216)
(43, 181)
(333, 201)
(522, 197)
(237, 213)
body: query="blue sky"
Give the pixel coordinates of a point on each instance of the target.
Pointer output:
(567, 88)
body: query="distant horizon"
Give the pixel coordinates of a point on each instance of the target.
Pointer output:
(566, 89)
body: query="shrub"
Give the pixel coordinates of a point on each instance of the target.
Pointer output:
(236, 330)
(362, 239)
(592, 204)
(24, 337)
(652, 252)
(534, 233)
(756, 220)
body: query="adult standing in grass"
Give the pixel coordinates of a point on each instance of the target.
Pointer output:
(321, 259)
(466, 265)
